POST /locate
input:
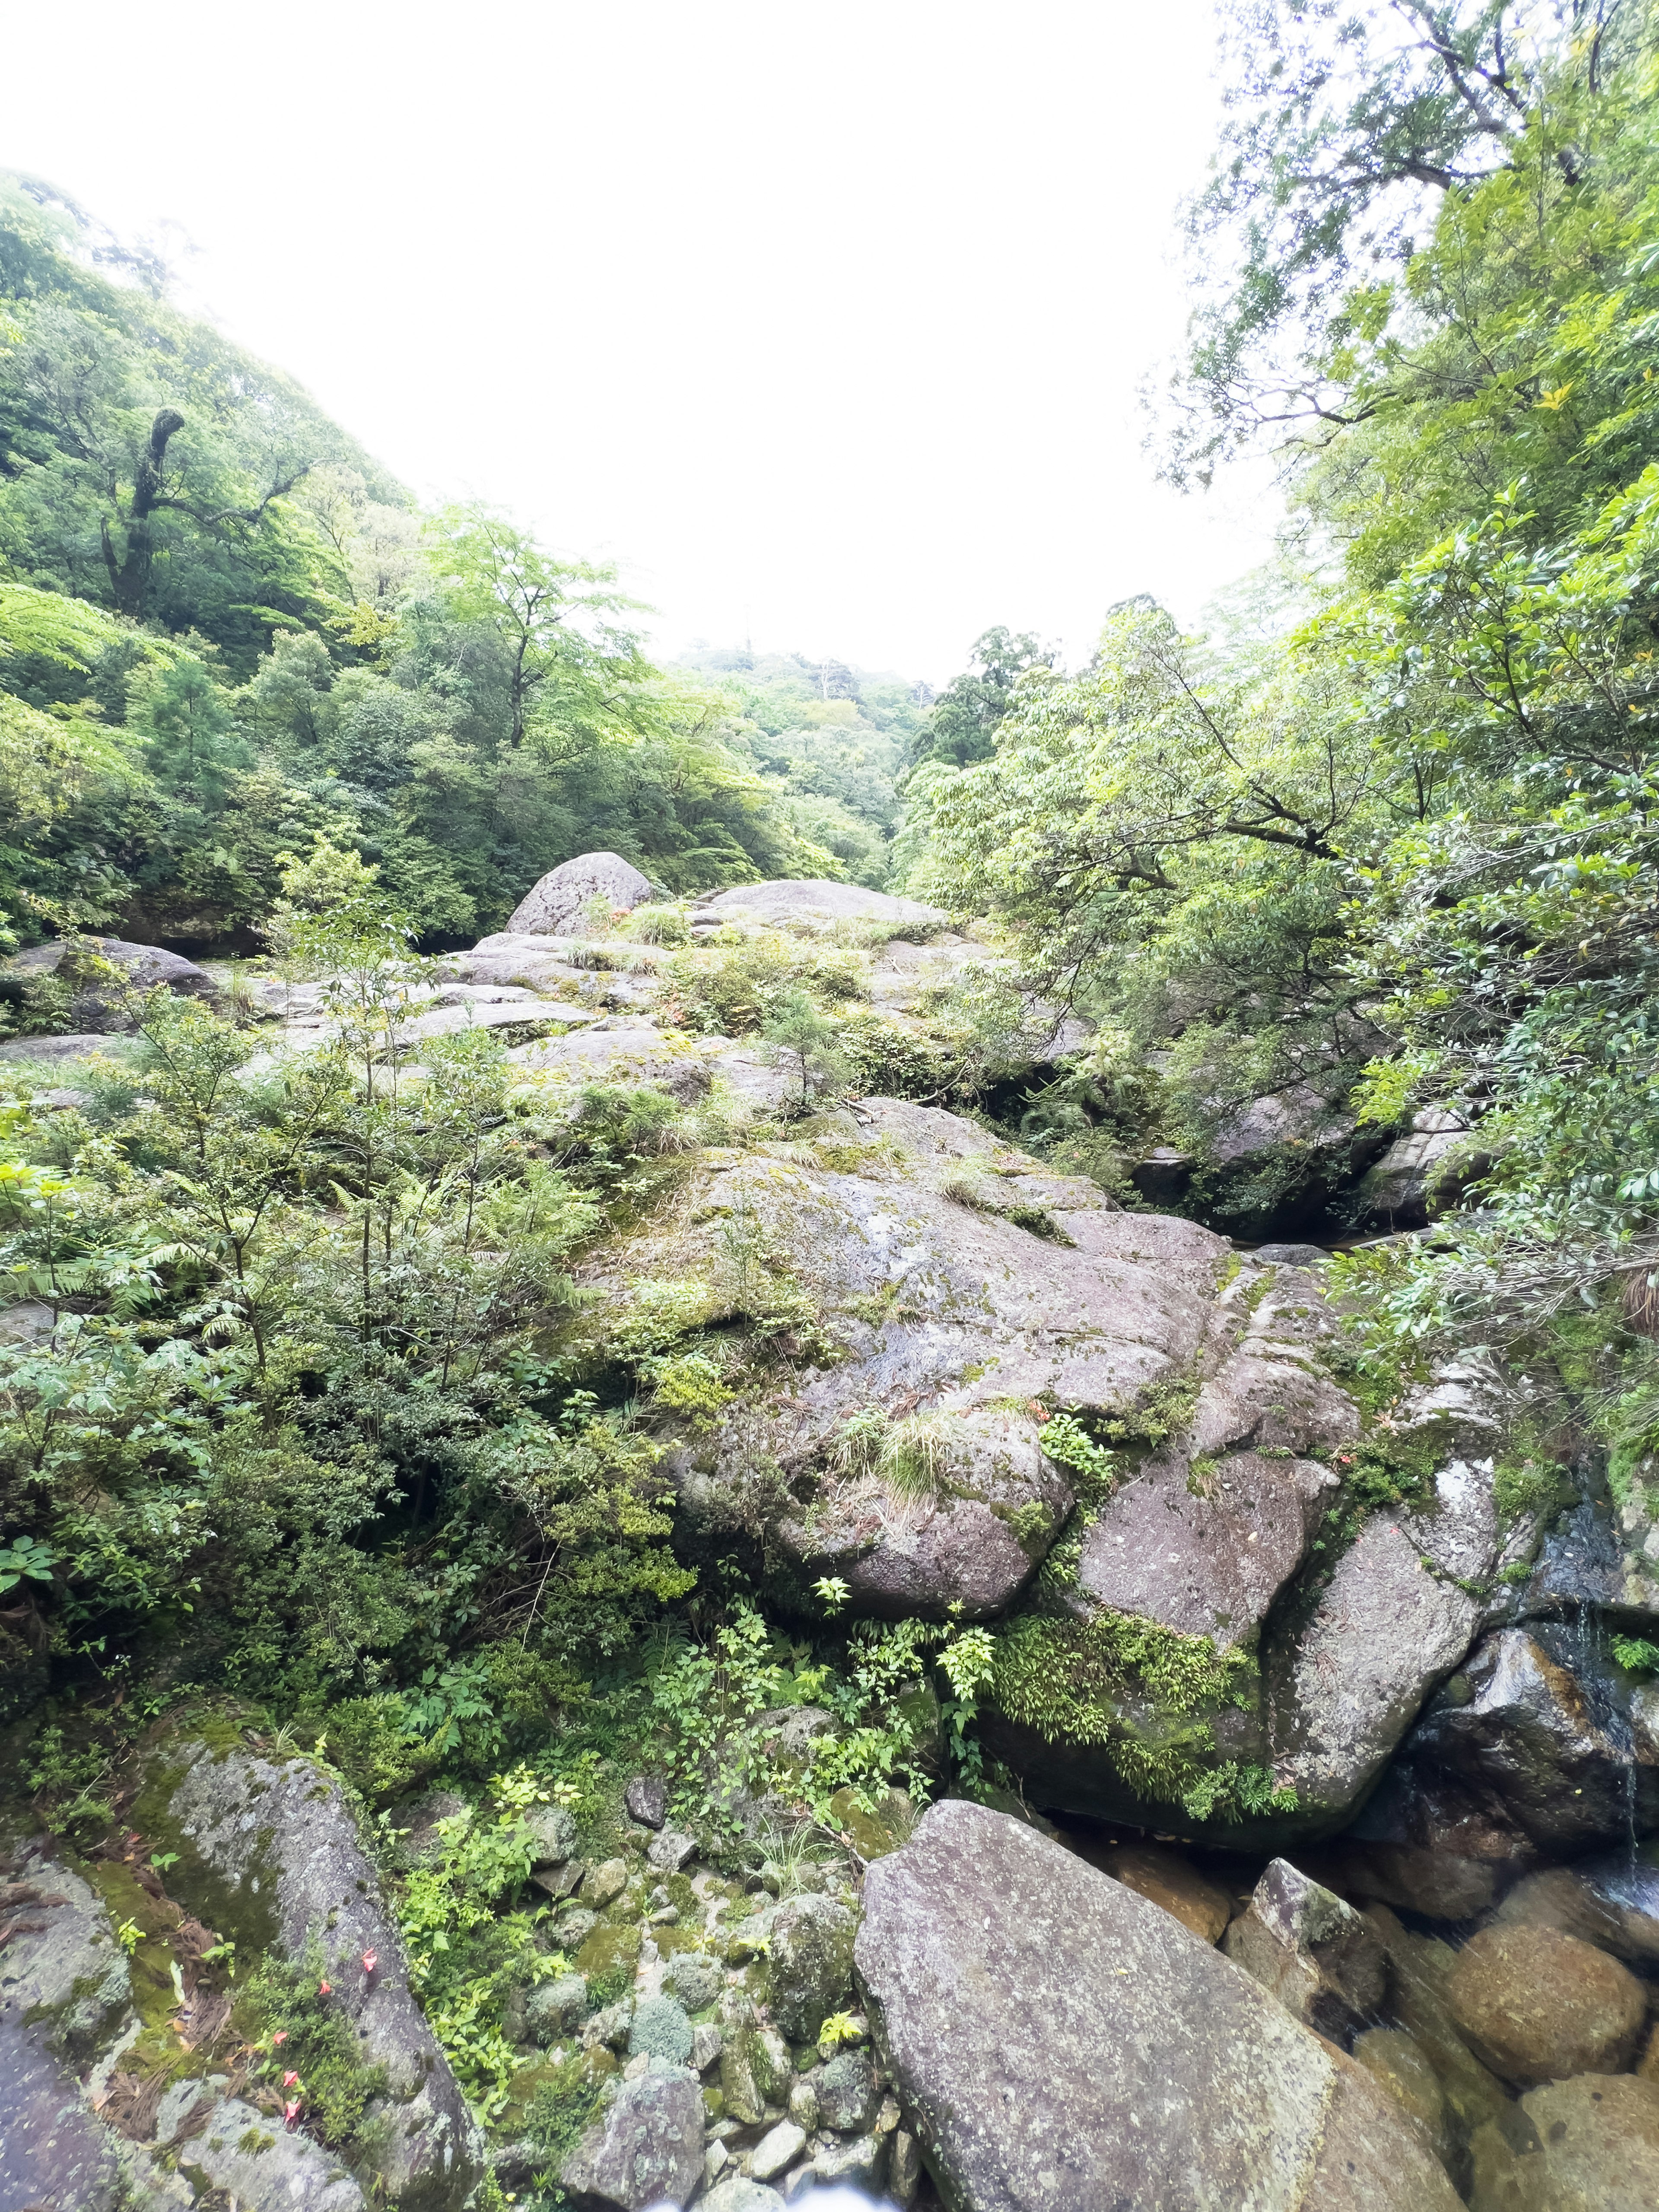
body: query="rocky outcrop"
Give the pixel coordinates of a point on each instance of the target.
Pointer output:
(1399, 1189)
(811, 1964)
(813, 903)
(562, 899)
(108, 978)
(269, 1855)
(1061, 2042)
(1519, 1731)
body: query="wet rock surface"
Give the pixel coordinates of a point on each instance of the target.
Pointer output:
(1034, 2014)
(1588, 2145)
(1311, 1951)
(1536, 2005)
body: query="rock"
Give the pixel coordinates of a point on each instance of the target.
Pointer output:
(813, 903)
(30, 1322)
(49, 1050)
(553, 1828)
(644, 2150)
(562, 1880)
(777, 2150)
(803, 2106)
(903, 2168)
(983, 1318)
(1625, 1887)
(415, 1824)
(851, 2165)
(556, 2008)
(1167, 1880)
(103, 1001)
(604, 1884)
(258, 2164)
(608, 2028)
(737, 2193)
(559, 901)
(1536, 2005)
(811, 1964)
(1393, 2057)
(1561, 1898)
(1298, 1129)
(1586, 2145)
(1436, 1884)
(1206, 1552)
(694, 1979)
(1162, 1176)
(668, 1852)
(1033, 2013)
(873, 1835)
(62, 1975)
(847, 2093)
(1313, 1952)
(1420, 1968)
(268, 1852)
(1398, 1190)
(1290, 1256)
(706, 2042)
(646, 1800)
(575, 1925)
(661, 2030)
(1516, 1725)
(751, 2067)
(1383, 1631)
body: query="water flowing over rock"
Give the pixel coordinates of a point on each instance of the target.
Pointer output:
(1063, 2043)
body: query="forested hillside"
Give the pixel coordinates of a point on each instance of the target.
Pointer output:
(227, 631)
(769, 1322)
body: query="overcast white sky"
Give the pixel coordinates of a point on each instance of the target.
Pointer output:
(826, 321)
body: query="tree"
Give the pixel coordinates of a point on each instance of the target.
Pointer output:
(1347, 128)
(572, 667)
(961, 727)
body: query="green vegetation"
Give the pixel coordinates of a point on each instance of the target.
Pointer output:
(317, 1420)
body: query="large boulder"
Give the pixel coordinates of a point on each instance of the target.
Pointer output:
(1061, 2042)
(268, 1856)
(108, 978)
(645, 2148)
(1536, 2005)
(561, 901)
(1586, 2145)
(1520, 1727)
(1398, 1189)
(813, 903)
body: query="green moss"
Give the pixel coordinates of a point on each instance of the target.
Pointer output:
(234, 1910)
(606, 1952)
(1530, 1485)
(1138, 1690)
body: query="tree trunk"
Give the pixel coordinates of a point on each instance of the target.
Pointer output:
(128, 577)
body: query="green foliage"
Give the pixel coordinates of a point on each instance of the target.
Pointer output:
(334, 2088)
(1138, 1690)
(1637, 1654)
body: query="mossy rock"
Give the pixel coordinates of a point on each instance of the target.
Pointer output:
(873, 1835)
(608, 1948)
(671, 1942)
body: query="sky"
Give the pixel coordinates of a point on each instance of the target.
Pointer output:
(827, 323)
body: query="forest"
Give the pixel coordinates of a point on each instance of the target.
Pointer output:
(425, 1410)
